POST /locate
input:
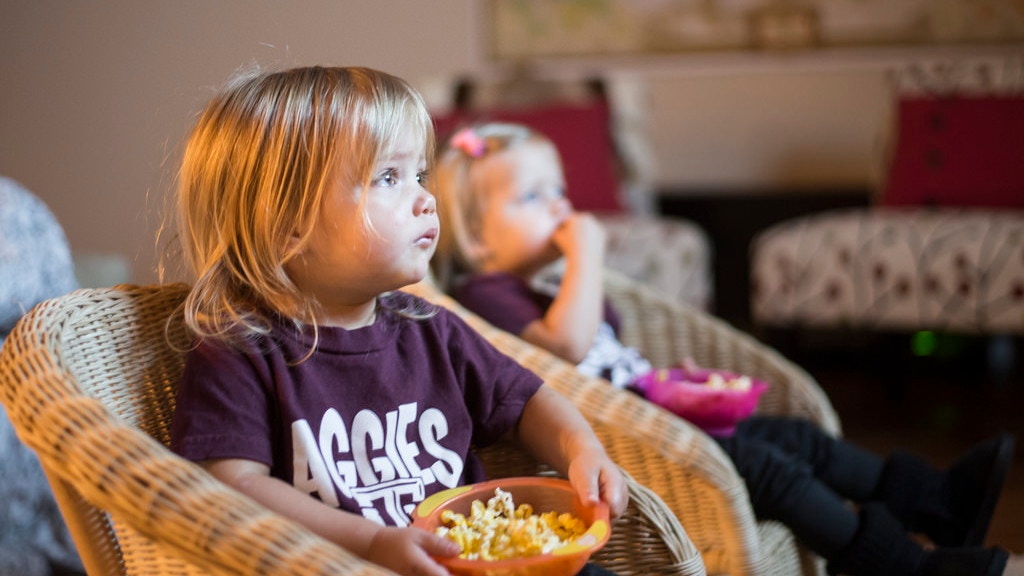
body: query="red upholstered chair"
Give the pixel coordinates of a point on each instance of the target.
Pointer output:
(958, 151)
(942, 249)
(672, 256)
(581, 133)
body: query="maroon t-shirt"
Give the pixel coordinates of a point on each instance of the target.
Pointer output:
(510, 303)
(373, 422)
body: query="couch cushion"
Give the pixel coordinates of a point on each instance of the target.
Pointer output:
(958, 151)
(582, 134)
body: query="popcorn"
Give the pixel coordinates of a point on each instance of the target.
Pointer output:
(500, 530)
(717, 382)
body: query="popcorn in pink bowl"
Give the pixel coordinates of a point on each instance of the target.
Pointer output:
(714, 400)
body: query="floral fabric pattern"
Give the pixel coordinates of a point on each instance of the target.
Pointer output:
(956, 270)
(672, 256)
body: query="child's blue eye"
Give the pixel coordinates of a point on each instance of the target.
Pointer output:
(423, 177)
(552, 193)
(387, 179)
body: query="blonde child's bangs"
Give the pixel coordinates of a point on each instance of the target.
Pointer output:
(382, 114)
(397, 109)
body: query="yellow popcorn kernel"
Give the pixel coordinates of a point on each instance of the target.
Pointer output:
(499, 530)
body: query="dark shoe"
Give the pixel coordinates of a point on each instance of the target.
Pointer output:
(882, 547)
(965, 562)
(953, 508)
(975, 482)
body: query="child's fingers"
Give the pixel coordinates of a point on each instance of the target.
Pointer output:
(586, 480)
(614, 493)
(440, 546)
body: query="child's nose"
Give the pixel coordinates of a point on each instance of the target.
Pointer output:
(561, 206)
(425, 204)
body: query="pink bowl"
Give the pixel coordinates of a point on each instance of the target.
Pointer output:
(685, 392)
(544, 494)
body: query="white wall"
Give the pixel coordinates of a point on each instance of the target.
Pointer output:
(95, 98)
(774, 130)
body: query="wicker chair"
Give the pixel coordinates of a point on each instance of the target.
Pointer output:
(665, 453)
(89, 381)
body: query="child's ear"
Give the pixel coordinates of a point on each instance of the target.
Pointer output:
(293, 246)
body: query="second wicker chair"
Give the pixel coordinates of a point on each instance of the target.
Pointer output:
(665, 453)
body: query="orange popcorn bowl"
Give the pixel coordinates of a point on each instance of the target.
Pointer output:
(544, 494)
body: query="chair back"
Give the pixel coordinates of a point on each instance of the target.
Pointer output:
(112, 346)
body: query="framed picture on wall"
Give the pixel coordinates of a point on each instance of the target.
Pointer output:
(523, 29)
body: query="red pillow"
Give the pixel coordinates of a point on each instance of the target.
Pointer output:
(583, 138)
(958, 151)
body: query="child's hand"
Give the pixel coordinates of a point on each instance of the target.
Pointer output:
(580, 234)
(408, 551)
(596, 478)
(554, 431)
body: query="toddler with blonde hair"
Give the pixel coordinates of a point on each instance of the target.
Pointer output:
(315, 386)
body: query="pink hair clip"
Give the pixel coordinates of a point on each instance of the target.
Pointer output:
(469, 142)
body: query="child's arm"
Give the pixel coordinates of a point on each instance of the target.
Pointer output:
(570, 324)
(553, 430)
(403, 550)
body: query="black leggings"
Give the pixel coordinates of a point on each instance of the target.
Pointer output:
(801, 476)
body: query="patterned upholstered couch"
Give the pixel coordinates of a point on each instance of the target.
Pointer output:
(894, 269)
(943, 249)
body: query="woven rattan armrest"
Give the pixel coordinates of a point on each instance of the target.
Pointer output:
(666, 454)
(685, 467)
(98, 464)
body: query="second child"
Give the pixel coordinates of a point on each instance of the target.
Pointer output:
(502, 199)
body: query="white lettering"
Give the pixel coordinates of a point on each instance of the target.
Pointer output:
(434, 427)
(368, 435)
(309, 469)
(333, 434)
(373, 461)
(408, 451)
(390, 444)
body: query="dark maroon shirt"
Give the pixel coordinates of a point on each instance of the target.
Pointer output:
(374, 421)
(510, 303)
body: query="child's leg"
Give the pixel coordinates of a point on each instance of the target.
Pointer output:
(591, 569)
(783, 487)
(953, 507)
(849, 470)
(871, 542)
(881, 547)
